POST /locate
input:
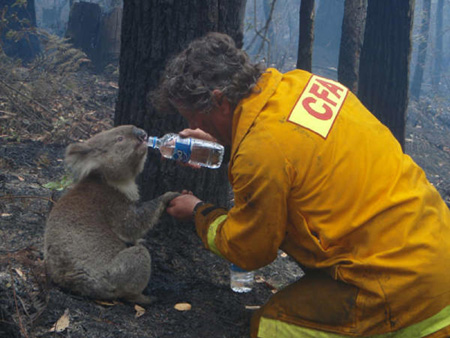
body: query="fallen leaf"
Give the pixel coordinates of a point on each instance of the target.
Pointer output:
(21, 179)
(113, 85)
(252, 307)
(62, 323)
(139, 311)
(102, 302)
(183, 306)
(259, 279)
(20, 273)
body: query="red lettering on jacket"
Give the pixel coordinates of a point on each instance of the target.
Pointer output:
(326, 115)
(318, 105)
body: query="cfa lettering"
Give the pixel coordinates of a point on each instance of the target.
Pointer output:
(320, 100)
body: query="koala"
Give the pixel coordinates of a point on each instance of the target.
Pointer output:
(92, 241)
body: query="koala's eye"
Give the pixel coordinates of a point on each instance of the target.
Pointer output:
(120, 139)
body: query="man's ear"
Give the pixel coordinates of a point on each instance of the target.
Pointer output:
(217, 93)
(222, 102)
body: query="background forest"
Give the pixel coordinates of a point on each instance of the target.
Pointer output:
(69, 69)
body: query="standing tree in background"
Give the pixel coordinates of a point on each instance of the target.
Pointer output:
(437, 66)
(351, 42)
(422, 52)
(83, 28)
(269, 30)
(327, 36)
(306, 35)
(152, 32)
(18, 37)
(384, 64)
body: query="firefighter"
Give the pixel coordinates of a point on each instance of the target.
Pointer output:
(316, 175)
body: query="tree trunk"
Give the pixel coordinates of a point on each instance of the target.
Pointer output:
(422, 52)
(384, 65)
(437, 66)
(109, 39)
(19, 19)
(306, 35)
(269, 32)
(351, 42)
(152, 32)
(327, 36)
(83, 28)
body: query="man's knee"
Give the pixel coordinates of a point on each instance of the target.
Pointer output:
(315, 301)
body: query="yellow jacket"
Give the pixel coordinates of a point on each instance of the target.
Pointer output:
(315, 174)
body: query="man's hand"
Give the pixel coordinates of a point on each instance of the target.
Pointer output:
(197, 133)
(182, 207)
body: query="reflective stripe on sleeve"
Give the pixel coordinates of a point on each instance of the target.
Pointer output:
(212, 231)
(269, 328)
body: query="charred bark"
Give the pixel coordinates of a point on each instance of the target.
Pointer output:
(437, 65)
(384, 65)
(83, 27)
(351, 42)
(109, 39)
(306, 35)
(422, 52)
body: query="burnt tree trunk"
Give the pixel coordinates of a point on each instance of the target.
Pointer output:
(437, 65)
(109, 39)
(351, 42)
(327, 35)
(384, 65)
(18, 29)
(422, 52)
(306, 35)
(152, 32)
(83, 27)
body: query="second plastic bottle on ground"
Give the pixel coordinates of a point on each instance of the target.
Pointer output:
(241, 280)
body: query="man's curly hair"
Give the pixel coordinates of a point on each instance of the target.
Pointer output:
(208, 63)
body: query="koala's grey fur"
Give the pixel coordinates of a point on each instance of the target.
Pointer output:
(92, 234)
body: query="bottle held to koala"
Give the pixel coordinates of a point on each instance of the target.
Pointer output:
(189, 150)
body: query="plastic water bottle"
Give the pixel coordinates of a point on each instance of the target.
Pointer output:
(189, 150)
(241, 280)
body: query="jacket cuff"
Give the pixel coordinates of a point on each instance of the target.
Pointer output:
(204, 215)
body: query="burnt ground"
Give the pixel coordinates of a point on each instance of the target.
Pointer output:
(183, 271)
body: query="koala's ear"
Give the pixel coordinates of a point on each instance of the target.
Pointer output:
(77, 149)
(78, 159)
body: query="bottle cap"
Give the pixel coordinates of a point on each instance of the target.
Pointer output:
(151, 142)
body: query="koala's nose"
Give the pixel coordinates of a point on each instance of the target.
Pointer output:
(140, 134)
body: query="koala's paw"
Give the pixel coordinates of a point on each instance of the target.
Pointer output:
(168, 196)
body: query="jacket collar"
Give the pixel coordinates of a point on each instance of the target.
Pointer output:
(250, 107)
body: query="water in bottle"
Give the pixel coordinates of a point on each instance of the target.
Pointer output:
(241, 280)
(189, 150)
